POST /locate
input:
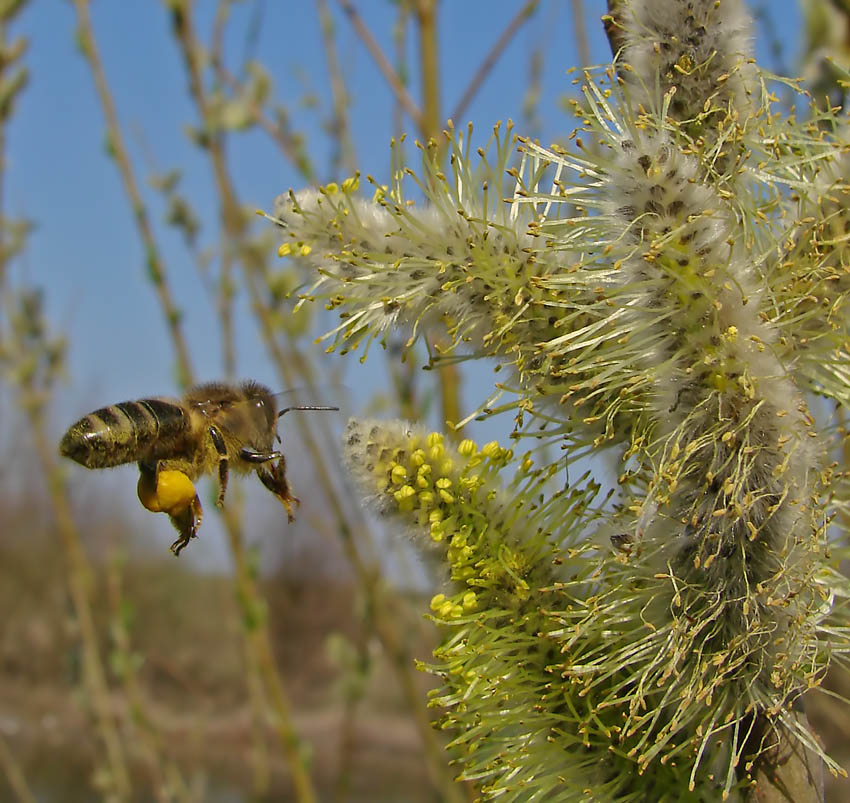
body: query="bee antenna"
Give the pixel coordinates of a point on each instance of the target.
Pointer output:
(305, 407)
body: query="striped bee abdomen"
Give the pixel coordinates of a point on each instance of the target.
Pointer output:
(144, 430)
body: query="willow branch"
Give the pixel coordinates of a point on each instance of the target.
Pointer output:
(283, 140)
(390, 75)
(233, 225)
(381, 603)
(340, 128)
(155, 262)
(14, 775)
(166, 781)
(425, 12)
(580, 31)
(79, 574)
(492, 57)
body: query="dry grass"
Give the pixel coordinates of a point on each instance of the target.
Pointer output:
(185, 632)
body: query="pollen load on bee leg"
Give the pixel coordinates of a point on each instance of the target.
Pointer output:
(215, 428)
(166, 491)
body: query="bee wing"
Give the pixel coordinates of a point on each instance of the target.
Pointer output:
(246, 410)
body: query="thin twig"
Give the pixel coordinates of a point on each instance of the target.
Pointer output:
(222, 14)
(401, 67)
(166, 780)
(492, 57)
(13, 78)
(14, 775)
(235, 226)
(256, 628)
(253, 671)
(155, 263)
(252, 36)
(226, 294)
(259, 707)
(257, 635)
(403, 372)
(432, 122)
(340, 129)
(580, 32)
(380, 602)
(531, 102)
(286, 143)
(425, 12)
(398, 89)
(79, 574)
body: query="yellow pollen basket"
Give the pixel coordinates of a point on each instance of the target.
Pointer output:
(172, 494)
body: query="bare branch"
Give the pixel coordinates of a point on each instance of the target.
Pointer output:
(340, 129)
(580, 30)
(501, 43)
(401, 94)
(155, 262)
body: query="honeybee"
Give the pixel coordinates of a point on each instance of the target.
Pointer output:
(214, 428)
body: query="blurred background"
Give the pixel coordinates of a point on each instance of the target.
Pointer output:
(272, 661)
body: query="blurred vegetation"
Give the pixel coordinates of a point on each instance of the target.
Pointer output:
(126, 677)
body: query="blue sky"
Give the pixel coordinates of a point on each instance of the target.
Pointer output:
(86, 246)
(85, 251)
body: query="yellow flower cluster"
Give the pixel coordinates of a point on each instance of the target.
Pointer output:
(448, 494)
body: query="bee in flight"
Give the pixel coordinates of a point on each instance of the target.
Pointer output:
(214, 428)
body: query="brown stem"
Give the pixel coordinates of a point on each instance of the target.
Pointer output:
(613, 25)
(401, 66)
(347, 745)
(10, 57)
(788, 772)
(225, 275)
(3, 260)
(259, 706)
(222, 14)
(403, 372)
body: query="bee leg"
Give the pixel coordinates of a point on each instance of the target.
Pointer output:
(171, 491)
(251, 455)
(274, 478)
(221, 448)
(187, 522)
